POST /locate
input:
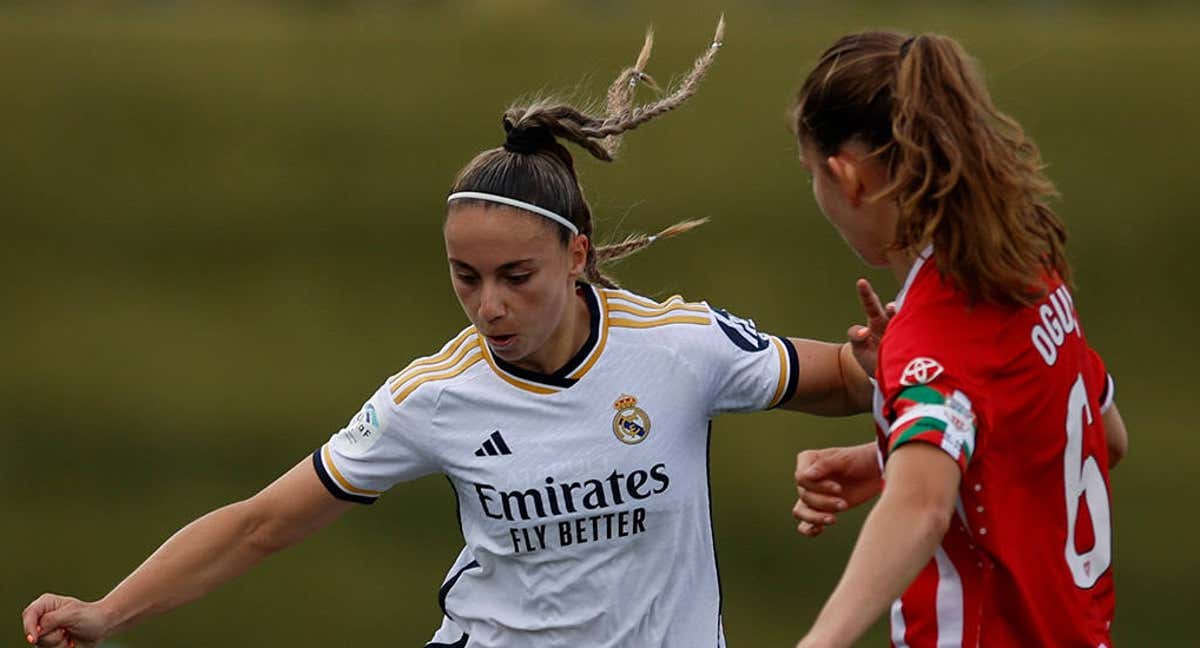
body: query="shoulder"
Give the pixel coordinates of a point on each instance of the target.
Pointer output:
(936, 332)
(676, 320)
(629, 310)
(418, 384)
(698, 334)
(672, 324)
(929, 294)
(933, 311)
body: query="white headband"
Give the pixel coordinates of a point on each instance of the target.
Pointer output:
(513, 202)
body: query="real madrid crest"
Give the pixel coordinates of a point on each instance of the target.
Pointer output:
(632, 423)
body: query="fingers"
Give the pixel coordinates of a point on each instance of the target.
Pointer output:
(31, 617)
(822, 487)
(812, 472)
(820, 502)
(47, 621)
(60, 617)
(818, 496)
(809, 466)
(55, 638)
(811, 522)
(858, 334)
(809, 529)
(816, 507)
(876, 315)
(802, 513)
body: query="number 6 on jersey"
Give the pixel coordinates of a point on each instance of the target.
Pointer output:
(1082, 478)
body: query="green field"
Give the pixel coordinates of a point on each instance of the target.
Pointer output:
(221, 231)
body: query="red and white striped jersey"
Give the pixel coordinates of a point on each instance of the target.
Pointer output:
(1015, 396)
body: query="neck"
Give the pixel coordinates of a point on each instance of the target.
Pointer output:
(570, 336)
(900, 262)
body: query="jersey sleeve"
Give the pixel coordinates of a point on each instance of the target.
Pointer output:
(745, 370)
(380, 447)
(925, 403)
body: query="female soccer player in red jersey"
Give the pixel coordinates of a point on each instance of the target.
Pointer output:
(997, 427)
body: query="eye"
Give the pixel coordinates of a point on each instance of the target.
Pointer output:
(468, 279)
(517, 279)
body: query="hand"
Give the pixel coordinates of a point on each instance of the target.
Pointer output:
(832, 480)
(62, 621)
(864, 340)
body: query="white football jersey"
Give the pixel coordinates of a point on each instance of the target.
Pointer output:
(583, 495)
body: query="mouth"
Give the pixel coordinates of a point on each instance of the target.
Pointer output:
(501, 341)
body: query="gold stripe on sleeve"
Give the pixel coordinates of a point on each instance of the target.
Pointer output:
(682, 319)
(412, 374)
(456, 370)
(658, 312)
(450, 349)
(337, 474)
(674, 301)
(783, 370)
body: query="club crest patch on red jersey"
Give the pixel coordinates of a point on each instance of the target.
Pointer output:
(920, 371)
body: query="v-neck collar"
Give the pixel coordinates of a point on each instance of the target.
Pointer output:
(570, 373)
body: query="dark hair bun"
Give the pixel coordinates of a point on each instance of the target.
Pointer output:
(527, 137)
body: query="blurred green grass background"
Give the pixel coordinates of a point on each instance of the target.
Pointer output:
(221, 230)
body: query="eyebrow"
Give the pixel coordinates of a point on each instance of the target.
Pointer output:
(511, 265)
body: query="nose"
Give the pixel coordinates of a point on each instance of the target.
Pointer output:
(491, 302)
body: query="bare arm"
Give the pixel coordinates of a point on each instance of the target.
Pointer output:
(1118, 437)
(897, 540)
(831, 382)
(834, 378)
(196, 560)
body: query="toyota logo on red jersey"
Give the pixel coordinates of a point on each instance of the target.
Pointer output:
(920, 371)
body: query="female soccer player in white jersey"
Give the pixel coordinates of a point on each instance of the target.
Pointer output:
(571, 417)
(997, 426)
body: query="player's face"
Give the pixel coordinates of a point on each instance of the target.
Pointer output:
(514, 278)
(842, 189)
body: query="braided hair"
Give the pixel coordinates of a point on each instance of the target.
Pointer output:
(534, 166)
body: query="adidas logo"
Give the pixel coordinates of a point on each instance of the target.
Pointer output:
(495, 445)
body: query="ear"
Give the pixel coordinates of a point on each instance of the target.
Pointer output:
(847, 172)
(577, 251)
